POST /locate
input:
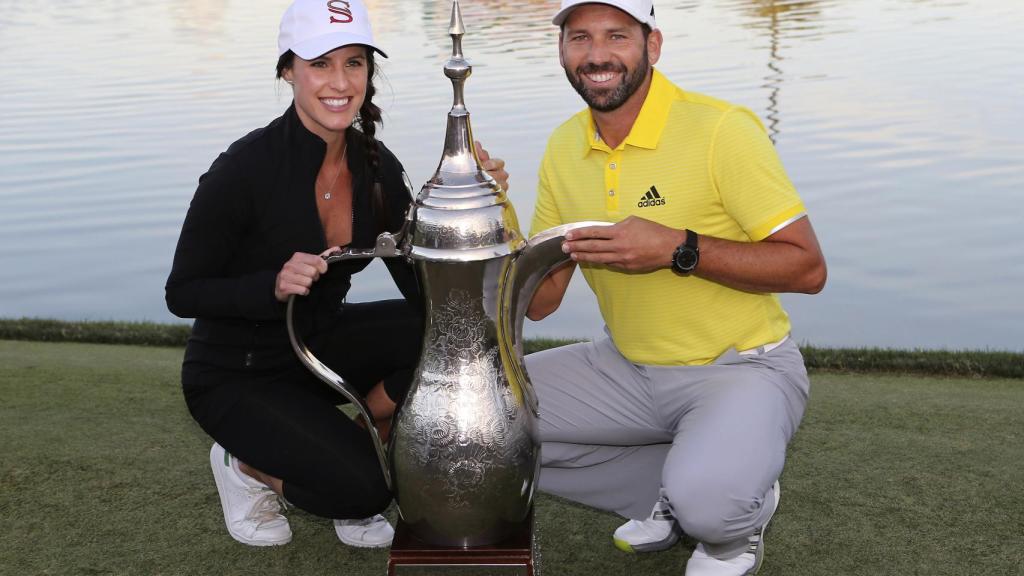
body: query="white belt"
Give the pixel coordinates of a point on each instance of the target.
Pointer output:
(766, 348)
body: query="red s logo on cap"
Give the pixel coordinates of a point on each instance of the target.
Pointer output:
(340, 7)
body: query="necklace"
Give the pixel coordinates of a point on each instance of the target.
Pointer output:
(341, 163)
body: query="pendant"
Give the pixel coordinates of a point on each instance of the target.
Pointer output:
(327, 195)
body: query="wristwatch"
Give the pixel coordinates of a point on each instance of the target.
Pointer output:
(686, 256)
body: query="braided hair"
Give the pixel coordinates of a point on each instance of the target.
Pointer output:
(368, 119)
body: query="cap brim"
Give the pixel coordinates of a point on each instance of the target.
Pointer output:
(563, 14)
(316, 47)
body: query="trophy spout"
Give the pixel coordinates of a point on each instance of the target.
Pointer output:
(543, 253)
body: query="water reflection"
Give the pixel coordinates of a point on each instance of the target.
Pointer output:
(521, 30)
(899, 123)
(794, 14)
(198, 18)
(775, 17)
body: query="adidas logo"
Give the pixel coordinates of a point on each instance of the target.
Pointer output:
(651, 198)
(664, 515)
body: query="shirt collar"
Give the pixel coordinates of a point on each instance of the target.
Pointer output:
(649, 124)
(300, 137)
(312, 146)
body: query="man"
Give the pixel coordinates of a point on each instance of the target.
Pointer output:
(687, 406)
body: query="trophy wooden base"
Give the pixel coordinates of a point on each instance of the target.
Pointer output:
(513, 556)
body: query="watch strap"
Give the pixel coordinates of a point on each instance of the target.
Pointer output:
(688, 252)
(691, 239)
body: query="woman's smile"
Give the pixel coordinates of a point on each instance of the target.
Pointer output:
(335, 104)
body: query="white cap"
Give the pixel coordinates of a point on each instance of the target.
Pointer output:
(641, 10)
(312, 28)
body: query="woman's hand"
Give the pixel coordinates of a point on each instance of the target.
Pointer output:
(299, 273)
(494, 166)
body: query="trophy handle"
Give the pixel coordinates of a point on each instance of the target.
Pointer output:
(386, 246)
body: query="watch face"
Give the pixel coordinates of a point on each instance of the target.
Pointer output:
(686, 259)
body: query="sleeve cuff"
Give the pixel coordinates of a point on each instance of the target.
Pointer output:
(255, 296)
(780, 221)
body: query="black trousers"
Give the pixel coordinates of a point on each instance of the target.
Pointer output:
(285, 422)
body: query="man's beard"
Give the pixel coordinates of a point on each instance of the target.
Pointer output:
(608, 99)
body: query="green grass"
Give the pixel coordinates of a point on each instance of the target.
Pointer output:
(134, 333)
(102, 471)
(965, 363)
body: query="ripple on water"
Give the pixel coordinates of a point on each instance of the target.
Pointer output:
(898, 121)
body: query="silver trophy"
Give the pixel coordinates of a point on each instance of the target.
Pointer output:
(464, 452)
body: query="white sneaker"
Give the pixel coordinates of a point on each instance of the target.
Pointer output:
(373, 532)
(746, 564)
(657, 532)
(252, 511)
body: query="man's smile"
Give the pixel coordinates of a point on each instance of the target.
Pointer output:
(600, 77)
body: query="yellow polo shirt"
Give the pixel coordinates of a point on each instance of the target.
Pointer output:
(693, 162)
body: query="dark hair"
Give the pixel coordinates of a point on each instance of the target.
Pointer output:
(369, 113)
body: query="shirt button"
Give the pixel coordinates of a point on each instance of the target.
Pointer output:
(248, 359)
(612, 165)
(611, 192)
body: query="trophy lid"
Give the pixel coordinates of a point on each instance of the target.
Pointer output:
(462, 213)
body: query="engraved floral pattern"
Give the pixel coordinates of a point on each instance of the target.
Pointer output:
(459, 325)
(462, 438)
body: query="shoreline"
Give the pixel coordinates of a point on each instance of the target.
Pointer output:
(951, 363)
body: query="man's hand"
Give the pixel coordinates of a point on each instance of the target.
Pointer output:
(632, 245)
(789, 260)
(298, 274)
(494, 166)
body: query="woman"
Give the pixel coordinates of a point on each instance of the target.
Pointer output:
(309, 182)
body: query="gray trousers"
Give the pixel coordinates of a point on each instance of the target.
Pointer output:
(714, 437)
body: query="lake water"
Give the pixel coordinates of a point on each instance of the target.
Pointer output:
(900, 121)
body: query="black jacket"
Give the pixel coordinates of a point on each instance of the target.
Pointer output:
(253, 209)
